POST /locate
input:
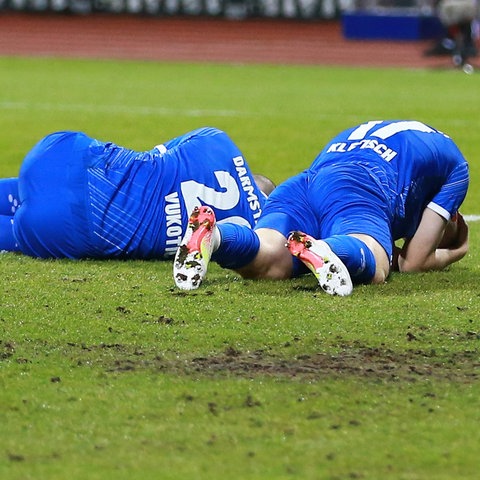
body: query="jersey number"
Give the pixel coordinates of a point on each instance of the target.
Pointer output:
(195, 194)
(388, 130)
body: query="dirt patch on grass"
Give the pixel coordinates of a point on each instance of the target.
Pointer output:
(352, 360)
(359, 361)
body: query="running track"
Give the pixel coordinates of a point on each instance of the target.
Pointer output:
(202, 39)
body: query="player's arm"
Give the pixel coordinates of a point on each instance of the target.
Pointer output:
(428, 250)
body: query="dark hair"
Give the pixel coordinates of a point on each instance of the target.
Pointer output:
(264, 184)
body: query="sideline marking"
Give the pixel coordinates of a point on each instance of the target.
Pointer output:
(138, 110)
(471, 218)
(165, 111)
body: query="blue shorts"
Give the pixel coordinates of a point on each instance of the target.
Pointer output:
(337, 199)
(53, 194)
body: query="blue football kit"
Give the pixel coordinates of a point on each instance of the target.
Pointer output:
(376, 179)
(78, 197)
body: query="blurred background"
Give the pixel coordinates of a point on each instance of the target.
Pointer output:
(237, 9)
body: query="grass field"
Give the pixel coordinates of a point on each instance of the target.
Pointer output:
(108, 372)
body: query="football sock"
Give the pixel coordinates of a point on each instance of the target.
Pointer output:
(8, 196)
(355, 255)
(238, 247)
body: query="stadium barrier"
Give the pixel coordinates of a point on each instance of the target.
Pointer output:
(236, 9)
(362, 18)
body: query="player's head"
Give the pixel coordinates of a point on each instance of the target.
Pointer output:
(264, 184)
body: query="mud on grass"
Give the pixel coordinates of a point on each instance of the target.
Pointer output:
(354, 359)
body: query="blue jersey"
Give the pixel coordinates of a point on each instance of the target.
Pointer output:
(81, 197)
(415, 165)
(375, 179)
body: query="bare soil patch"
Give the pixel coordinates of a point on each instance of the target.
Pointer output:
(352, 360)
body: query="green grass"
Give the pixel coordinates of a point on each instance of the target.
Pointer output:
(107, 371)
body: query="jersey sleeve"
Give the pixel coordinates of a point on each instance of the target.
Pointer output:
(451, 195)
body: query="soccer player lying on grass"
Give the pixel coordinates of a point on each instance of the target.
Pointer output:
(78, 197)
(372, 185)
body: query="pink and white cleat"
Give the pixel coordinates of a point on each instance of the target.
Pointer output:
(330, 271)
(192, 257)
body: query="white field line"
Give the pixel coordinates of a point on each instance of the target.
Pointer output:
(137, 110)
(164, 111)
(471, 218)
(152, 111)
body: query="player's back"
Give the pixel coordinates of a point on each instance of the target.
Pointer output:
(406, 150)
(152, 193)
(412, 161)
(86, 198)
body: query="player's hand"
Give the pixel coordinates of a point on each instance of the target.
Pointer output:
(457, 244)
(461, 240)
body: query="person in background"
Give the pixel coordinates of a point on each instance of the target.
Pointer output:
(458, 18)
